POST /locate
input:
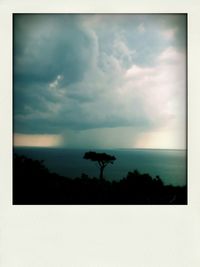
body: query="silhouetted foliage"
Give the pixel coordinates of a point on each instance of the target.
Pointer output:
(103, 160)
(34, 184)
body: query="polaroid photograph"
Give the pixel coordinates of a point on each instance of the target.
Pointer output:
(99, 134)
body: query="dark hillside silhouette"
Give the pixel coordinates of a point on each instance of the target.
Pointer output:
(103, 160)
(34, 184)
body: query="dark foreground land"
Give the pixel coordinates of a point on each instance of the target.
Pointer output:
(34, 184)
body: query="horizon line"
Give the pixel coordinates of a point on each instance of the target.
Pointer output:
(98, 148)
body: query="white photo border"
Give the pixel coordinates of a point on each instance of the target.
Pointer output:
(99, 236)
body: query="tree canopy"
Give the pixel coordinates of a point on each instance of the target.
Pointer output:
(103, 160)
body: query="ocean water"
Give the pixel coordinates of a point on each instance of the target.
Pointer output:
(169, 165)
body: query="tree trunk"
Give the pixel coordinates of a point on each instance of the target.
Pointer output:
(101, 172)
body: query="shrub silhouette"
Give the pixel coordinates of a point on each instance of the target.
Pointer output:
(103, 160)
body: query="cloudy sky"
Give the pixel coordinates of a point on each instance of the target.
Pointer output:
(110, 81)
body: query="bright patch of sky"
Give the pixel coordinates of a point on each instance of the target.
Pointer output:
(100, 80)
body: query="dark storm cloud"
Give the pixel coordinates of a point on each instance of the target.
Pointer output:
(47, 45)
(80, 72)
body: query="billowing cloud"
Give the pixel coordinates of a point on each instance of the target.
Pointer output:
(169, 34)
(86, 77)
(141, 28)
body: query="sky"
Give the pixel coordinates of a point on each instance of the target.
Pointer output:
(100, 81)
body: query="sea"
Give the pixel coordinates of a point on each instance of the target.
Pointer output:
(169, 165)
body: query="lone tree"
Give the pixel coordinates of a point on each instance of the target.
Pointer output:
(103, 160)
